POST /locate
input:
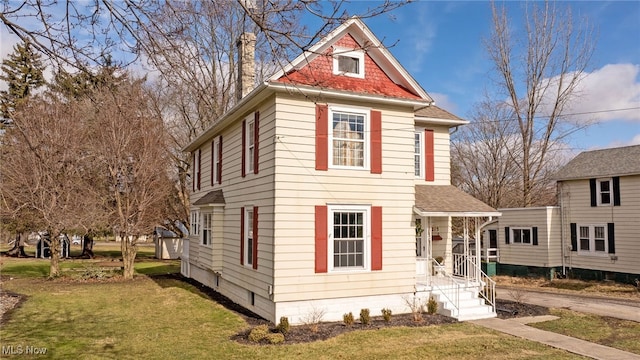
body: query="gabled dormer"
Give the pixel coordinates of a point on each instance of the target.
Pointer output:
(351, 58)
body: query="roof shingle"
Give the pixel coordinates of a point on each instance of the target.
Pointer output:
(448, 199)
(602, 163)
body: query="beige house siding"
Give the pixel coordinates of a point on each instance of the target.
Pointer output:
(299, 188)
(253, 190)
(441, 150)
(548, 251)
(626, 217)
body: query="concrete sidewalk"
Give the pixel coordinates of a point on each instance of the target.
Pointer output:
(603, 306)
(576, 346)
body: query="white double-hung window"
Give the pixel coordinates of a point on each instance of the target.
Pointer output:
(349, 137)
(592, 239)
(349, 237)
(206, 228)
(417, 153)
(195, 217)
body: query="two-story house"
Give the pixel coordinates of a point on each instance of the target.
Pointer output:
(326, 189)
(592, 234)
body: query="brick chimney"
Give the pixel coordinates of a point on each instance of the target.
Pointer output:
(246, 64)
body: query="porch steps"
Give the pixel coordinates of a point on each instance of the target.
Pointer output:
(470, 306)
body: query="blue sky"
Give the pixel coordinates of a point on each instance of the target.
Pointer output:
(441, 45)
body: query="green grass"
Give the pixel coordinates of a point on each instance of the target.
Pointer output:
(168, 319)
(612, 332)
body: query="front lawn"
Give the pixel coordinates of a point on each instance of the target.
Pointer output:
(608, 331)
(164, 318)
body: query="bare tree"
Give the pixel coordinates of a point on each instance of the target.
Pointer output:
(131, 154)
(43, 178)
(482, 160)
(538, 73)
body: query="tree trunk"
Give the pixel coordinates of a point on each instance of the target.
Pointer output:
(87, 247)
(129, 251)
(54, 247)
(18, 248)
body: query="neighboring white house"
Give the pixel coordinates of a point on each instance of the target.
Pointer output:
(326, 189)
(593, 234)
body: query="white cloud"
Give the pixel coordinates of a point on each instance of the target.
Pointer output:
(604, 92)
(442, 101)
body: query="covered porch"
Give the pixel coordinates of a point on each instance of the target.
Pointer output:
(439, 269)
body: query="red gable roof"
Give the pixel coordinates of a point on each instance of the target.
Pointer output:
(319, 72)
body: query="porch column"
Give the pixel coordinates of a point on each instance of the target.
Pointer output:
(478, 249)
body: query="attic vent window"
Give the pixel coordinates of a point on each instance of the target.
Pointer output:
(348, 62)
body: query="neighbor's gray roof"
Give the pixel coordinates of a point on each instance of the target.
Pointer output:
(600, 163)
(449, 199)
(212, 197)
(435, 112)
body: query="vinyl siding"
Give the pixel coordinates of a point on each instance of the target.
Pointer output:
(548, 252)
(442, 158)
(299, 188)
(626, 217)
(252, 190)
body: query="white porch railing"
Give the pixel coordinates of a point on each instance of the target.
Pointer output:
(447, 286)
(466, 267)
(491, 254)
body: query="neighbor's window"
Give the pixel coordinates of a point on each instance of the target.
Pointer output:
(349, 138)
(604, 192)
(348, 62)
(348, 237)
(521, 235)
(194, 222)
(206, 228)
(593, 239)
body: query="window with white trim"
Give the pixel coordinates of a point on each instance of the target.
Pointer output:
(605, 193)
(417, 153)
(248, 237)
(206, 228)
(592, 239)
(250, 144)
(348, 62)
(349, 237)
(195, 215)
(216, 160)
(521, 235)
(349, 138)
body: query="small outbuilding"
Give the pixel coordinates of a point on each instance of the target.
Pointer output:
(43, 249)
(168, 244)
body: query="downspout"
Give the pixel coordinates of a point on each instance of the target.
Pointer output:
(564, 270)
(455, 129)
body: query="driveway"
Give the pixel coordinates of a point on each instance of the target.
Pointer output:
(603, 306)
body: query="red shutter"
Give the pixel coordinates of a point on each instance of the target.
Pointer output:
(376, 238)
(193, 171)
(199, 167)
(376, 142)
(255, 237)
(220, 161)
(242, 235)
(244, 148)
(322, 138)
(256, 121)
(213, 161)
(321, 239)
(429, 164)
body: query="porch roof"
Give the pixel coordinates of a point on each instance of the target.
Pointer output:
(448, 200)
(215, 197)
